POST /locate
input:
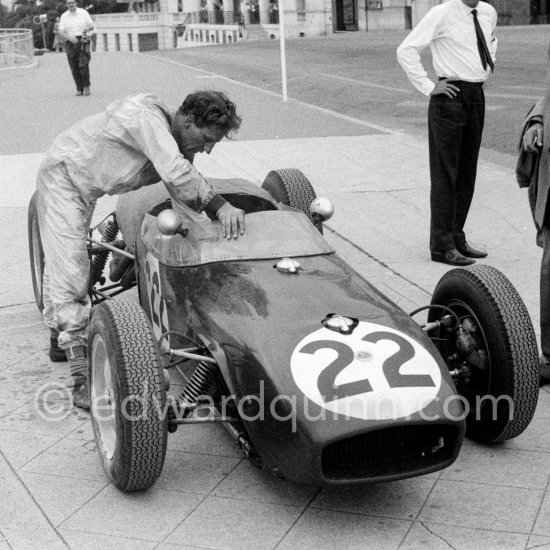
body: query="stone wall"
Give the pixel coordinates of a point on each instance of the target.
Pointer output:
(512, 12)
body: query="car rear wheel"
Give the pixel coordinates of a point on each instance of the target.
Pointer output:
(128, 396)
(291, 187)
(36, 252)
(498, 367)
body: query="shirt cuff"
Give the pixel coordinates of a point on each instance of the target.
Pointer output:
(215, 204)
(428, 88)
(535, 119)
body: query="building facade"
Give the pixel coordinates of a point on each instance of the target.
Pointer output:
(167, 24)
(522, 12)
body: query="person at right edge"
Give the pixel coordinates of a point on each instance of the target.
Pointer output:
(533, 171)
(461, 35)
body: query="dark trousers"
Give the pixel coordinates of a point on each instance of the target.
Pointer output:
(455, 126)
(79, 60)
(544, 236)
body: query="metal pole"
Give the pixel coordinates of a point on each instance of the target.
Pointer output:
(44, 45)
(282, 44)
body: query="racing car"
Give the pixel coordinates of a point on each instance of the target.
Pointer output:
(317, 375)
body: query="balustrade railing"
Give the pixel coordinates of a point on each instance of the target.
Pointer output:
(16, 48)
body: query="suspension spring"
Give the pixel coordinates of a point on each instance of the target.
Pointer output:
(100, 258)
(200, 382)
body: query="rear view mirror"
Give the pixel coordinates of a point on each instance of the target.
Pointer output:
(169, 223)
(321, 209)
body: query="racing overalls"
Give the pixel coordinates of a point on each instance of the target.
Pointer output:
(123, 148)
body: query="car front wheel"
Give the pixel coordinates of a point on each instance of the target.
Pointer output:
(493, 353)
(36, 253)
(290, 187)
(128, 396)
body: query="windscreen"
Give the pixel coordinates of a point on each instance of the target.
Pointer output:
(269, 234)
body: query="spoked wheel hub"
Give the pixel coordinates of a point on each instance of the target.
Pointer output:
(103, 399)
(471, 359)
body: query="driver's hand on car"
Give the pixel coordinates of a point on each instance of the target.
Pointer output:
(232, 220)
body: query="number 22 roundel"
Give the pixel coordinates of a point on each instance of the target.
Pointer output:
(375, 373)
(157, 305)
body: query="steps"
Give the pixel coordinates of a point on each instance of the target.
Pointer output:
(256, 32)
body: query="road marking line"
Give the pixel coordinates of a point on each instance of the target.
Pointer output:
(367, 84)
(513, 96)
(384, 129)
(533, 88)
(409, 103)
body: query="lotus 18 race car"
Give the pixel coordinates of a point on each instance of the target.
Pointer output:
(319, 377)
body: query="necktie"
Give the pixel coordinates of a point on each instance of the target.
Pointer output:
(482, 45)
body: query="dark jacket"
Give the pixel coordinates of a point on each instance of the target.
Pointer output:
(532, 169)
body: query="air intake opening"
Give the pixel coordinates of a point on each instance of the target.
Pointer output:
(388, 452)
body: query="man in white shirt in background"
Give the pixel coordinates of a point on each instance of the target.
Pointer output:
(76, 27)
(463, 58)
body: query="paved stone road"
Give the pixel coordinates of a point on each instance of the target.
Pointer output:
(55, 494)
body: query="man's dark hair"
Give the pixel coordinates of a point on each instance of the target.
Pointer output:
(210, 108)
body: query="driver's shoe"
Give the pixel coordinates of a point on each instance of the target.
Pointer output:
(81, 396)
(57, 355)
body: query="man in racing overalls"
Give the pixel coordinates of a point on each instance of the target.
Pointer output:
(136, 141)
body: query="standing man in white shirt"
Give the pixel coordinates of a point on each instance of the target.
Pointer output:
(76, 27)
(461, 36)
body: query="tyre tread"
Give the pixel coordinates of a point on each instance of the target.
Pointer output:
(291, 187)
(32, 227)
(143, 459)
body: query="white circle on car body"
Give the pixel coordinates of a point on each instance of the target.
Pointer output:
(375, 373)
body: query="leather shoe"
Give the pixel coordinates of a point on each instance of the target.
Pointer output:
(79, 92)
(57, 355)
(86, 91)
(471, 252)
(81, 395)
(451, 257)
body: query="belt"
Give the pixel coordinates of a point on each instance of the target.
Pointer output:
(462, 82)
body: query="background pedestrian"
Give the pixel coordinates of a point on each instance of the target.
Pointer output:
(58, 42)
(76, 27)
